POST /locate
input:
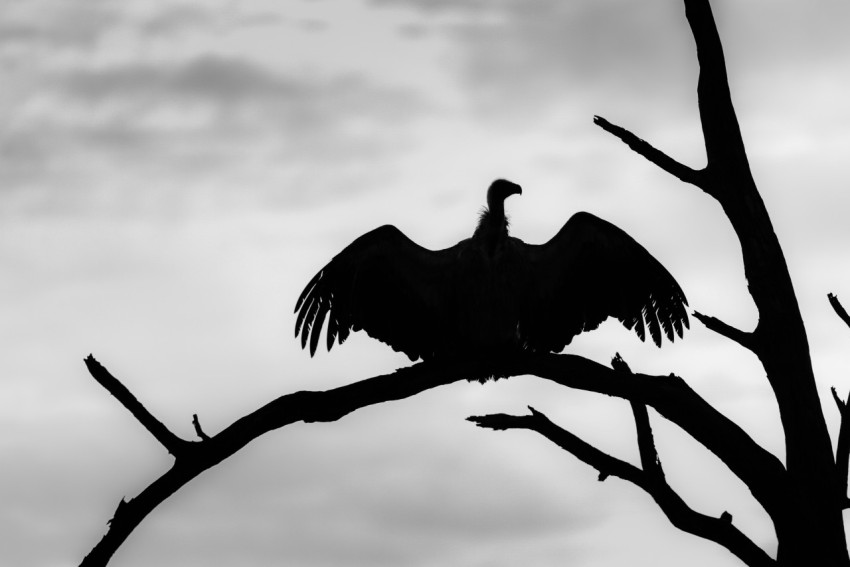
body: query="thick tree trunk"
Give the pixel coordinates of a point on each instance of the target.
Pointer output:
(808, 517)
(812, 524)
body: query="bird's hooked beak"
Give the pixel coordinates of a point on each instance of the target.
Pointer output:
(510, 188)
(500, 190)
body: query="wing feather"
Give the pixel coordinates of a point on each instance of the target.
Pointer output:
(385, 284)
(592, 270)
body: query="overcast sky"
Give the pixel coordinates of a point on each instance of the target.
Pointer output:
(173, 173)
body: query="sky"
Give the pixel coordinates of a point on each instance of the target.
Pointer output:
(173, 172)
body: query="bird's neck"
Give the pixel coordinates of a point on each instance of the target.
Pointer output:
(493, 225)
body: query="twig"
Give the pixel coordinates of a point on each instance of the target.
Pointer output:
(839, 309)
(654, 155)
(650, 462)
(198, 431)
(169, 440)
(587, 453)
(745, 339)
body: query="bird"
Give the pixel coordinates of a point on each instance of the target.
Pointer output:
(490, 293)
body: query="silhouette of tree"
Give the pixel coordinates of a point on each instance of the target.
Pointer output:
(804, 497)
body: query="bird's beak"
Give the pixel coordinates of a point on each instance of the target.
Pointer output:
(516, 190)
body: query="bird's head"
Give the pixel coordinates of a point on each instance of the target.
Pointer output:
(500, 190)
(493, 224)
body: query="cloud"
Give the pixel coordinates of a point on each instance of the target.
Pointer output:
(177, 19)
(54, 25)
(434, 7)
(524, 58)
(221, 80)
(195, 118)
(183, 18)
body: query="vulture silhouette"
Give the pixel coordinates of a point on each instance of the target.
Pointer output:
(491, 293)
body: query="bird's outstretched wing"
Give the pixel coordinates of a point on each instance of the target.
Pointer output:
(385, 284)
(592, 270)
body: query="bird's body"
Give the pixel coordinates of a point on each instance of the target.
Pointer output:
(491, 293)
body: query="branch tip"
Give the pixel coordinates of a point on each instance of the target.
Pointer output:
(172, 443)
(537, 414)
(838, 308)
(198, 431)
(842, 405)
(743, 338)
(652, 154)
(617, 363)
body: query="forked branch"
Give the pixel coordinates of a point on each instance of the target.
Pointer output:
(780, 340)
(669, 395)
(842, 447)
(720, 530)
(305, 406)
(172, 443)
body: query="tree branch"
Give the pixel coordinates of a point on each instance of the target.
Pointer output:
(669, 395)
(649, 460)
(842, 448)
(659, 158)
(811, 514)
(198, 431)
(174, 444)
(745, 339)
(719, 530)
(307, 406)
(838, 308)
(722, 134)
(587, 453)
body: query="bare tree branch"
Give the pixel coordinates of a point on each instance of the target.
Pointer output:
(669, 395)
(304, 406)
(839, 309)
(745, 339)
(811, 514)
(649, 460)
(587, 453)
(723, 140)
(198, 431)
(656, 156)
(169, 440)
(842, 447)
(719, 530)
